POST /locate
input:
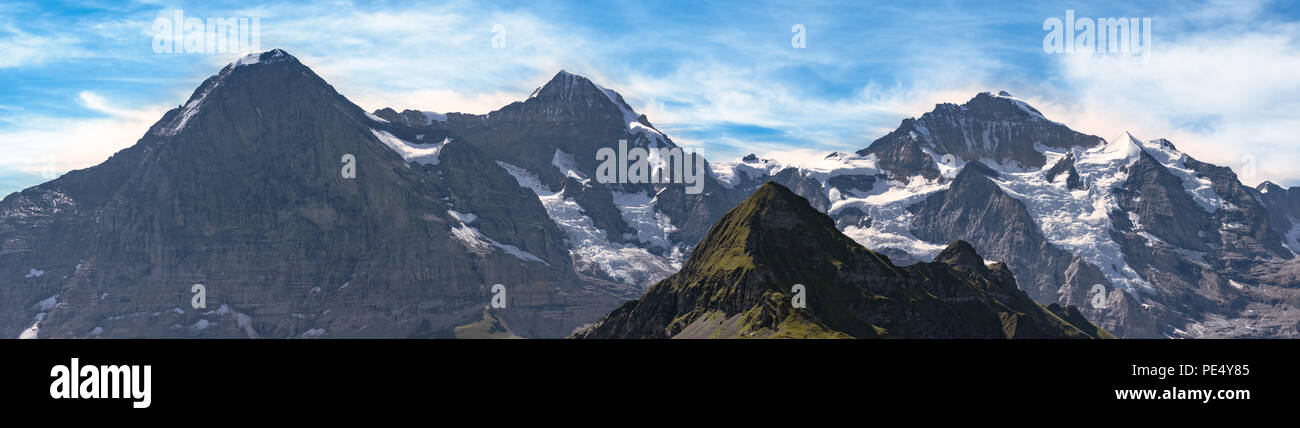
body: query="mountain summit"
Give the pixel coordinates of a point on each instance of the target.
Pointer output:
(246, 190)
(631, 233)
(1146, 240)
(996, 127)
(741, 282)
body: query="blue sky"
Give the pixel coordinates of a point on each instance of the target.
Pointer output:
(80, 80)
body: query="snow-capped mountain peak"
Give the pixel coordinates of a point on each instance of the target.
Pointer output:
(991, 128)
(568, 88)
(1163, 144)
(1123, 146)
(269, 57)
(1029, 110)
(1128, 137)
(175, 124)
(1068, 211)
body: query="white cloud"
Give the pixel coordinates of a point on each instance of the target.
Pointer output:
(438, 59)
(1219, 94)
(46, 144)
(20, 49)
(1222, 96)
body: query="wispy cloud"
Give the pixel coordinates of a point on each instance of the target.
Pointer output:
(46, 146)
(19, 48)
(719, 78)
(1226, 94)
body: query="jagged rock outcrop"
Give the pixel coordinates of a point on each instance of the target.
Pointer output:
(1066, 166)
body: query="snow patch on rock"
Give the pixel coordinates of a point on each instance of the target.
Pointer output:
(569, 167)
(276, 55)
(47, 303)
(243, 321)
(589, 247)
(835, 164)
(32, 332)
(652, 227)
(434, 117)
(476, 241)
(1201, 189)
(1078, 221)
(426, 154)
(1292, 238)
(632, 120)
(891, 223)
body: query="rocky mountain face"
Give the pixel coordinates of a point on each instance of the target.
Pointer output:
(631, 234)
(741, 283)
(244, 190)
(1282, 204)
(1144, 239)
(1200, 251)
(997, 128)
(976, 209)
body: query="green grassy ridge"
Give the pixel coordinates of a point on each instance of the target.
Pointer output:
(490, 327)
(737, 285)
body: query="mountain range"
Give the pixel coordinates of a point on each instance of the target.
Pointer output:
(1145, 240)
(244, 189)
(744, 279)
